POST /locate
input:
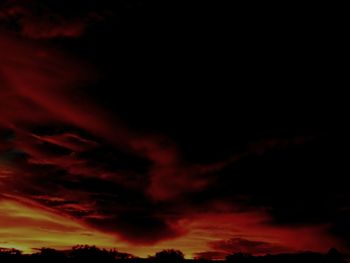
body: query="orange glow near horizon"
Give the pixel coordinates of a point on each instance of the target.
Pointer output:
(27, 227)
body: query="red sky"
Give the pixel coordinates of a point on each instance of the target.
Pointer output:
(74, 172)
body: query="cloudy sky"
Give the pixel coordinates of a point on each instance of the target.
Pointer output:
(149, 126)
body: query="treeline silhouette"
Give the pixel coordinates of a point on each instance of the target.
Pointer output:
(85, 253)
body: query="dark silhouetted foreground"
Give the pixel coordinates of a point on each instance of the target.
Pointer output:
(80, 254)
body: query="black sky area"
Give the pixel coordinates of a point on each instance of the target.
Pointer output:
(215, 75)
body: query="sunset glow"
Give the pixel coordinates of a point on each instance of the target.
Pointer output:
(98, 146)
(27, 228)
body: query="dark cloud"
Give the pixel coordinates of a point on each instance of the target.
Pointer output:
(301, 184)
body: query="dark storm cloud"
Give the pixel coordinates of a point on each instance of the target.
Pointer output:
(106, 195)
(103, 186)
(302, 184)
(109, 188)
(83, 165)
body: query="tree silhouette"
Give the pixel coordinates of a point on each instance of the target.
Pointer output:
(10, 251)
(239, 258)
(169, 255)
(10, 255)
(85, 253)
(334, 255)
(50, 255)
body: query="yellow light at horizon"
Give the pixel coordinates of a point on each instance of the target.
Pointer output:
(26, 228)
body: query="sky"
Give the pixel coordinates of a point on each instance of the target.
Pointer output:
(146, 126)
